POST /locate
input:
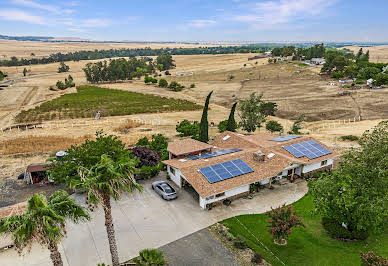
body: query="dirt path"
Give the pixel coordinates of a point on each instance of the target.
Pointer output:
(358, 108)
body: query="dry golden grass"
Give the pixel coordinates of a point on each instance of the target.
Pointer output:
(378, 54)
(125, 127)
(39, 144)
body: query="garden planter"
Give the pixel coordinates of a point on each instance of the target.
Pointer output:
(280, 242)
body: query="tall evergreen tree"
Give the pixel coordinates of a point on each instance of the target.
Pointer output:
(232, 125)
(204, 125)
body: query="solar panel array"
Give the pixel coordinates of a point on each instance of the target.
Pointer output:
(309, 148)
(285, 138)
(226, 170)
(213, 154)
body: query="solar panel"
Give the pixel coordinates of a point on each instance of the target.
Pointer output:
(226, 170)
(213, 154)
(285, 138)
(311, 149)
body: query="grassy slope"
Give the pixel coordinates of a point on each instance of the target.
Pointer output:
(89, 99)
(306, 246)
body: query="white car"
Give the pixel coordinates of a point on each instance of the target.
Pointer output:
(164, 189)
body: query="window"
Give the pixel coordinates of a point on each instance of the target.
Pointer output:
(209, 198)
(172, 170)
(220, 195)
(324, 163)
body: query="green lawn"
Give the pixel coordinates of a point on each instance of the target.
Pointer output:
(89, 99)
(306, 246)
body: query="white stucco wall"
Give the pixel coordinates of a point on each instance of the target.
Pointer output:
(315, 166)
(204, 201)
(175, 178)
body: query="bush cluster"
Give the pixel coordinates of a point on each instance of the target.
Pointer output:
(175, 86)
(336, 230)
(68, 83)
(349, 137)
(149, 79)
(240, 243)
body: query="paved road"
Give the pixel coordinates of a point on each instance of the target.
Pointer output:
(144, 220)
(199, 248)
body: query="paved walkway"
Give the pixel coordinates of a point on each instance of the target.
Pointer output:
(144, 220)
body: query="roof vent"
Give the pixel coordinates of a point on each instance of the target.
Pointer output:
(182, 160)
(225, 138)
(259, 156)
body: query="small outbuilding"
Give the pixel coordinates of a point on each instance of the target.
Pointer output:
(36, 173)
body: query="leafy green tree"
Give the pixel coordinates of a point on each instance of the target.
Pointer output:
(104, 168)
(204, 124)
(1, 76)
(175, 86)
(359, 54)
(231, 125)
(44, 221)
(166, 61)
(163, 83)
(69, 82)
(185, 128)
(335, 61)
(25, 71)
(268, 108)
(368, 72)
(273, 126)
(381, 79)
(63, 67)
(222, 126)
(192, 85)
(150, 257)
(356, 193)
(250, 113)
(159, 144)
(297, 126)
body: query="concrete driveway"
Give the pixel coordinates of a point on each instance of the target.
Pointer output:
(144, 220)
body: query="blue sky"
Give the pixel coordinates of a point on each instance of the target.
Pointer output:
(199, 20)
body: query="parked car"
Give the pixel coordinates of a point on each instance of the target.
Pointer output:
(164, 189)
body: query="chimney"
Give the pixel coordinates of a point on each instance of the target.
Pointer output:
(259, 156)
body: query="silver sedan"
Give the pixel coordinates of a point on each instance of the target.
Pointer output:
(164, 189)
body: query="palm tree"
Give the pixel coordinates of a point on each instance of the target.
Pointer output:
(107, 179)
(43, 221)
(150, 257)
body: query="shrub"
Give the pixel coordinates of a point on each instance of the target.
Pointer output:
(163, 83)
(146, 156)
(240, 243)
(282, 220)
(337, 231)
(60, 85)
(273, 126)
(192, 85)
(371, 259)
(349, 137)
(175, 86)
(337, 75)
(167, 73)
(257, 258)
(63, 67)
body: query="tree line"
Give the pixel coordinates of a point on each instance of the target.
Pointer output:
(123, 69)
(341, 64)
(316, 51)
(101, 54)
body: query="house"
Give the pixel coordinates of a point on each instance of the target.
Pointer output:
(268, 53)
(225, 168)
(317, 61)
(369, 82)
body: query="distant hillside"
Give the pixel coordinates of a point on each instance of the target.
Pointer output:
(26, 38)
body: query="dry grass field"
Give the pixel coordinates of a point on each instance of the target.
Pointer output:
(24, 49)
(378, 54)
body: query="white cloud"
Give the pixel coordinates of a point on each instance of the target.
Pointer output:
(200, 23)
(20, 15)
(271, 13)
(32, 4)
